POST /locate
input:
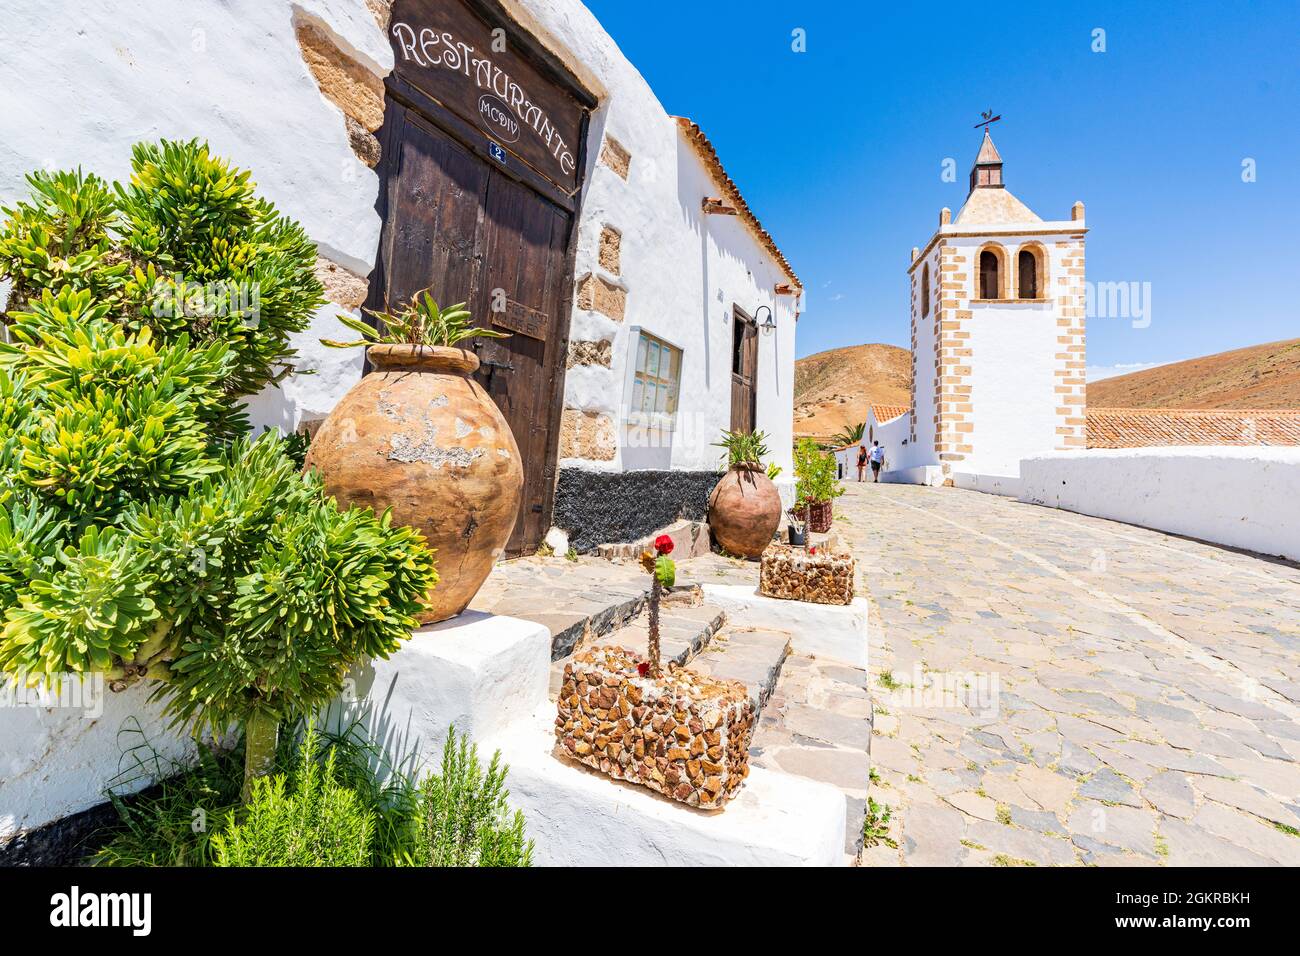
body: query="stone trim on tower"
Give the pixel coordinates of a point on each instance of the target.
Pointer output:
(953, 418)
(1071, 357)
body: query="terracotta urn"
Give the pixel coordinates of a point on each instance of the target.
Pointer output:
(744, 510)
(420, 436)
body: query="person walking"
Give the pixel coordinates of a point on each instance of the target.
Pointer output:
(877, 459)
(862, 461)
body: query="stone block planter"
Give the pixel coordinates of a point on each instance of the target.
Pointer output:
(820, 515)
(683, 735)
(793, 574)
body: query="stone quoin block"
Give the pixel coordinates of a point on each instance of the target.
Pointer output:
(682, 735)
(610, 242)
(599, 295)
(590, 353)
(794, 574)
(588, 435)
(345, 82)
(615, 155)
(342, 286)
(363, 143)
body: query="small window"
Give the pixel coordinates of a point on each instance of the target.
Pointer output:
(1028, 269)
(925, 290)
(657, 378)
(990, 283)
(737, 345)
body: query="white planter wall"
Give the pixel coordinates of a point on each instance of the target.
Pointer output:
(1243, 497)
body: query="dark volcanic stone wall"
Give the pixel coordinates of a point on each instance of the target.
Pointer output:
(602, 507)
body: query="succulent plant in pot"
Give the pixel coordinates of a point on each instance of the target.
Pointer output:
(744, 506)
(420, 436)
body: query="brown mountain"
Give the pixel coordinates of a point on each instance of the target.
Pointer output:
(832, 389)
(1261, 376)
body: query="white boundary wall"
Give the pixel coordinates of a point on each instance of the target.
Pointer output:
(1242, 497)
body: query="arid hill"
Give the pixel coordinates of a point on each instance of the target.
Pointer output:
(1261, 376)
(832, 389)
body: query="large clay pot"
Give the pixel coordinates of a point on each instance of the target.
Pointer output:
(420, 436)
(744, 511)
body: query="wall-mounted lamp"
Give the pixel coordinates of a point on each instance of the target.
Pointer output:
(769, 326)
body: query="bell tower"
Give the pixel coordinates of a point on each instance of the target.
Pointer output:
(987, 171)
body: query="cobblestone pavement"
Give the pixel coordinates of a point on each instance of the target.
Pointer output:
(1071, 690)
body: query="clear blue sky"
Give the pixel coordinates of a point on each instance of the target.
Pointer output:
(839, 149)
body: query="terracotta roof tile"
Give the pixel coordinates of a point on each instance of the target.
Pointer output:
(1145, 427)
(887, 413)
(709, 155)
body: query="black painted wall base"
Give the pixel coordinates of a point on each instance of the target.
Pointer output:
(64, 842)
(601, 507)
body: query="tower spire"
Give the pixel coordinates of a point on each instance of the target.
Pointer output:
(987, 171)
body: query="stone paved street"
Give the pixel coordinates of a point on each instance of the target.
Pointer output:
(1113, 695)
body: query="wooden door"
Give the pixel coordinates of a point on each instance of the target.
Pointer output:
(457, 225)
(744, 371)
(484, 149)
(523, 290)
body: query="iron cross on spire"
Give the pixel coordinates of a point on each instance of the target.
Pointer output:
(988, 118)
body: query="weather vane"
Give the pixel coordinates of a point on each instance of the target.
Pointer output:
(988, 118)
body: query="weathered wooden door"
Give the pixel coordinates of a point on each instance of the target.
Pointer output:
(480, 207)
(744, 370)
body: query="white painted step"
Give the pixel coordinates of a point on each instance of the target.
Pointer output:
(579, 817)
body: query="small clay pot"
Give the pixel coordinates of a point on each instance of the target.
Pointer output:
(744, 511)
(420, 436)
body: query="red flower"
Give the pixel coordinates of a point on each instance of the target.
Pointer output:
(664, 544)
(643, 668)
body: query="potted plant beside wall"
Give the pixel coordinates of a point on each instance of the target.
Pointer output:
(420, 436)
(744, 507)
(816, 486)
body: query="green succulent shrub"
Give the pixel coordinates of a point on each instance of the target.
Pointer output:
(141, 533)
(419, 322)
(184, 249)
(743, 448)
(814, 472)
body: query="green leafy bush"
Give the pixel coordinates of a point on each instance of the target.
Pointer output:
(465, 815)
(306, 818)
(141, 534)
(185, 249)
(814, 472)
(333, 800)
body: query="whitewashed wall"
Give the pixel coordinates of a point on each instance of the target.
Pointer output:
(682, 270)
(1013, 361)
(57, 758)
(84, 81)
(1242, 497)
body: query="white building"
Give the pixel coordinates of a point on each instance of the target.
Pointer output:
(503, 152)
(998, 352)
